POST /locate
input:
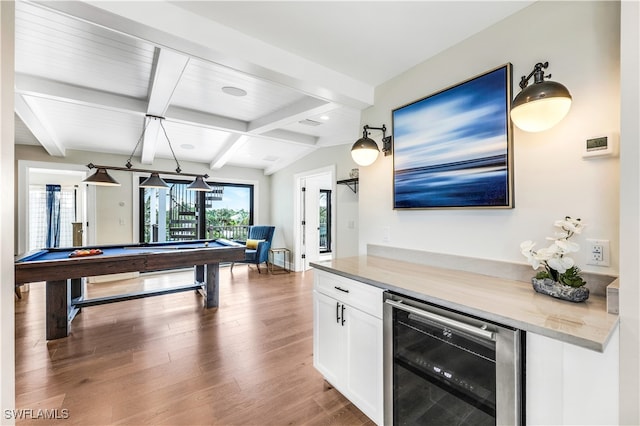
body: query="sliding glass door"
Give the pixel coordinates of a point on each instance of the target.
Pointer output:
(178, 214)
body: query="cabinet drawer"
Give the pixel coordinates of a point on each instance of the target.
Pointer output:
(361, 296)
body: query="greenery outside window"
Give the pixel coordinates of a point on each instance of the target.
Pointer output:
(325, 221)
(175, 214)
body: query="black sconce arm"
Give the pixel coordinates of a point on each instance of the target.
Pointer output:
(537, 74)
(386, 140)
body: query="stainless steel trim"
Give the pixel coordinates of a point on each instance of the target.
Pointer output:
(509, 363)
(476, 331)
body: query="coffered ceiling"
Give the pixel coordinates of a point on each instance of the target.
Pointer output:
(250, 84)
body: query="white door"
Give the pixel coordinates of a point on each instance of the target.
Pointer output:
(311, 221)
(306, 215)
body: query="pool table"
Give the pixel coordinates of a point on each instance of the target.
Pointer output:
(64, 274)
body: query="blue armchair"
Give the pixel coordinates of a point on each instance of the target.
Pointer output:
(261, 236)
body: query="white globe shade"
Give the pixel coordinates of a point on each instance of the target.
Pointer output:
(364, 156)
(540, 115)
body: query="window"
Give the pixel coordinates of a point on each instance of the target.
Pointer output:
(173, 214)
(325, 221)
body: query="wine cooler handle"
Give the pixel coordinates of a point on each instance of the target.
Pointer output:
(476, 331)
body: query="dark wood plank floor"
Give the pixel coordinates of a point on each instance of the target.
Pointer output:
(168, 361)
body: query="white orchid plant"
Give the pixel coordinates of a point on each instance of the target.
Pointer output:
(558, 266)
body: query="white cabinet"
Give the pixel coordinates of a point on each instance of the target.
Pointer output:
(347, 340)
(570, 385)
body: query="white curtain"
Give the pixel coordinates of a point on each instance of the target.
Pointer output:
(38, 216)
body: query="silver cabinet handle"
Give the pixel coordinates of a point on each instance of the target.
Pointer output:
(476, 331)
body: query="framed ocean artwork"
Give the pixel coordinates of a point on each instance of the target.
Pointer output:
(453, 148)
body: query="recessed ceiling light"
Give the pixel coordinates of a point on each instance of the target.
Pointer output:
(234, 91)
(324, 117)
(187, 146)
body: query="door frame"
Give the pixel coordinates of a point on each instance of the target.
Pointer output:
(24, 169)
(299, 179)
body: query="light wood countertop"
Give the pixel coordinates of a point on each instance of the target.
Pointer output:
(509, 302)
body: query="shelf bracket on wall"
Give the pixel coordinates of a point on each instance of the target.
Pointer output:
(351, 183)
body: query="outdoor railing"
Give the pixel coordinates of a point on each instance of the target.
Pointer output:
(231, 232)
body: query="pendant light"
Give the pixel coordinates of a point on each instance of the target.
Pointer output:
(154, 181)
(101, 177)
(199, 185)
(542, 105)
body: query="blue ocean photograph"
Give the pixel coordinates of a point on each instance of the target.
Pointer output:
(451, 149)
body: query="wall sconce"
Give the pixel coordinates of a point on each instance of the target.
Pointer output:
(365, 151)
(542, 105)
(101, 176)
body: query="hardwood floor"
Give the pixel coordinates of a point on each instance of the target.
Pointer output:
(168, 361)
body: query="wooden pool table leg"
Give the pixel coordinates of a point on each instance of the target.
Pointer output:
(198, 273)
(213, 287)
(77, 288)
(58, 300)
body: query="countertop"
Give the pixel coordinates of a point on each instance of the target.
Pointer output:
(505, 301)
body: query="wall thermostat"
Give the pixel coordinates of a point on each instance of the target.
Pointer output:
(600, 146)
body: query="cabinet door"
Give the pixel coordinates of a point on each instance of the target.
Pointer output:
(363, 354)
(569, 384)
(328, 339)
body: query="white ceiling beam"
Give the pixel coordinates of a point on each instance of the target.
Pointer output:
(42, 88)
(197, 118)
(304, 108)
(285, 163)
(290, 137)
(48, 89)
(168, 69)
(237, 51)
(25, 111)
(232, 145)
(152, 134)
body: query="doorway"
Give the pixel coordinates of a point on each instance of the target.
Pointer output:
(314, 235)
(33, 176)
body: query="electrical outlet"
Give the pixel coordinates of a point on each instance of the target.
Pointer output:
(598, 252)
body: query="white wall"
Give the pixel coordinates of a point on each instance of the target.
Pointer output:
(115, 213)
(581, 42)
(629, 214)
(346, 202)
(7, 329)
